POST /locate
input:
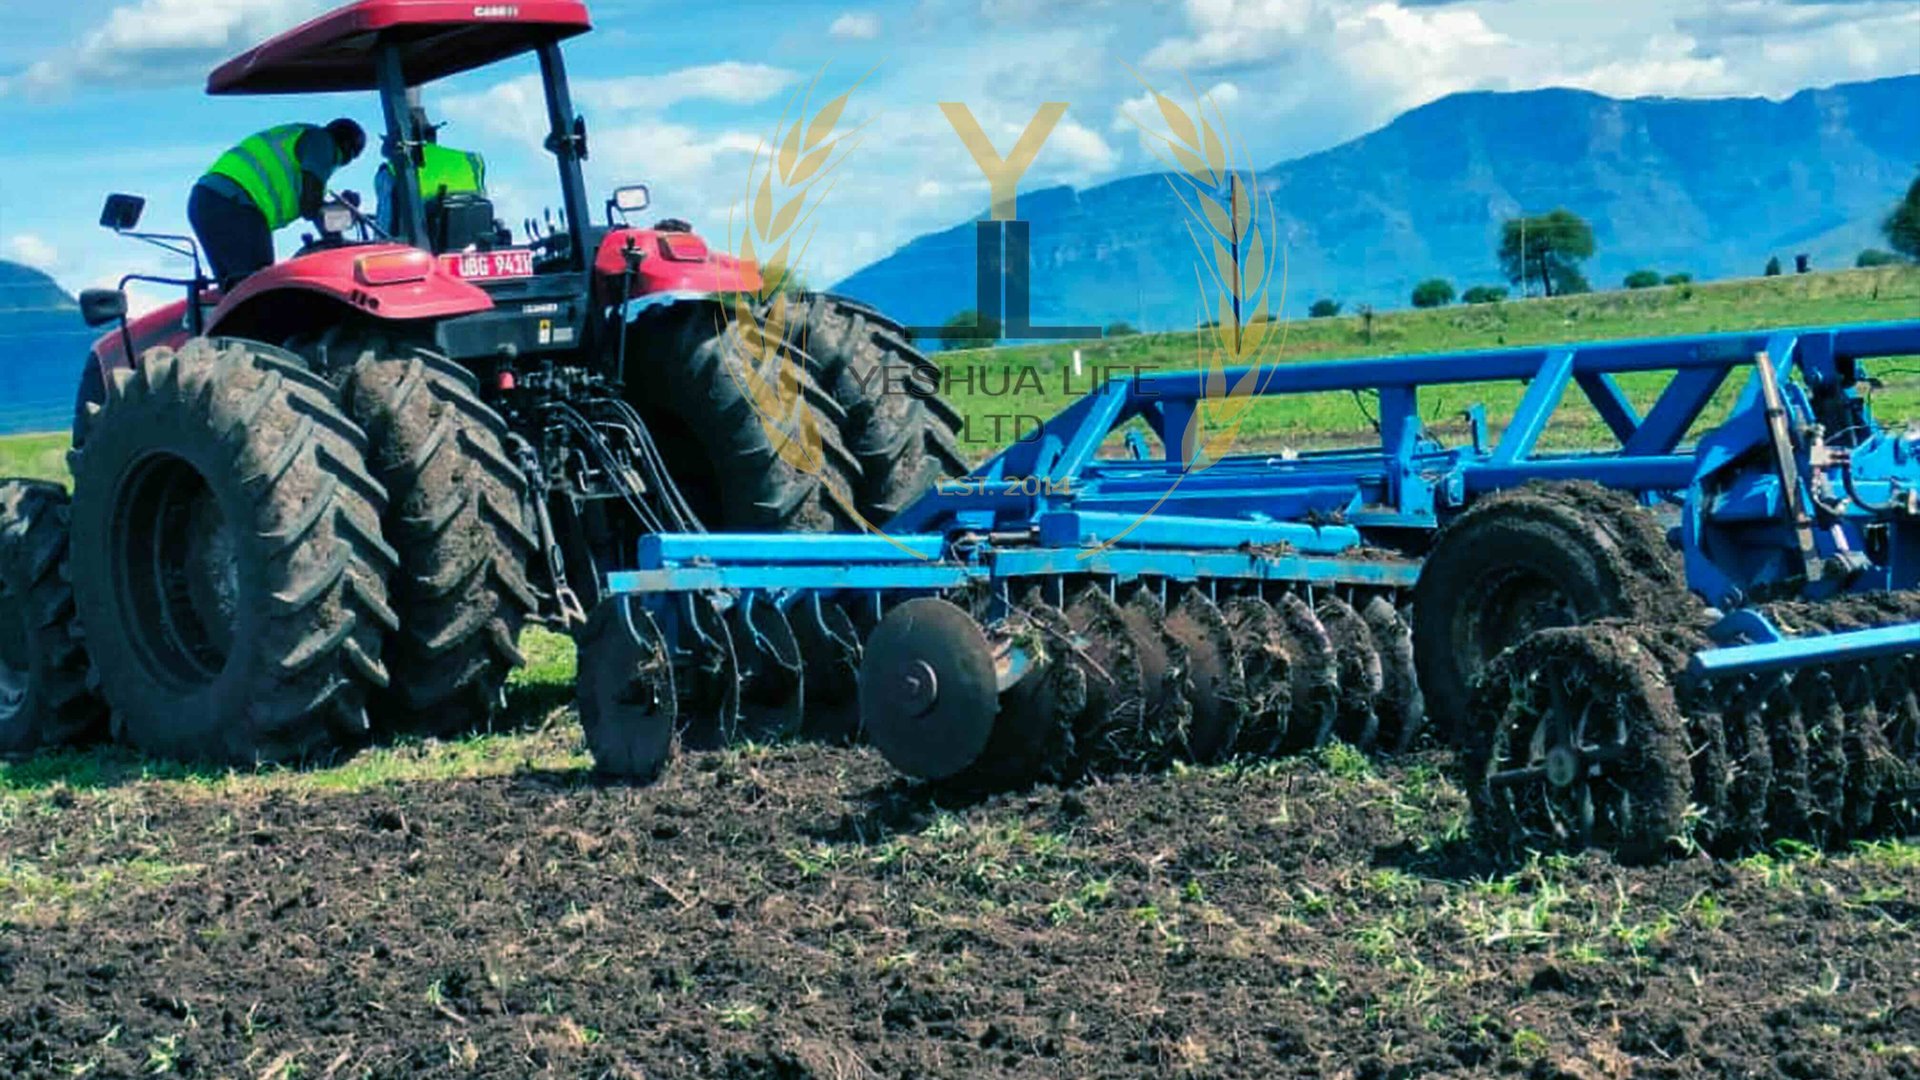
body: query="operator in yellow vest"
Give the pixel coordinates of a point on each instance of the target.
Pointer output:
(443, 170)
(261, 186)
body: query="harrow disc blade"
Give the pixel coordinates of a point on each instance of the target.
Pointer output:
(1266, 662)
(929, 691)
(1033, 737)
(1358, 664)
(707, 671)
(772, 690)
(1116, 687)
(1216, 681)
(1401, 707)
(1316, 675)
(1161, 735)
(830, 653)
(626, 692)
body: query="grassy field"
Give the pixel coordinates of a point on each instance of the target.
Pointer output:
(982, 381)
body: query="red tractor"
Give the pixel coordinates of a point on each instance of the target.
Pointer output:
(320, 507)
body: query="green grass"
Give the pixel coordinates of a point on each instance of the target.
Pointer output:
(36, 457)
(990, 386)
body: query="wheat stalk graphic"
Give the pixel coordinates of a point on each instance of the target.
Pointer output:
(785, 186)
(1231, 223)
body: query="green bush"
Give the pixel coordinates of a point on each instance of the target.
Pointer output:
(1679, 279)
(1484, 294)
(1323, 309)
(1643, 279)
(1875, 257)
(1433, 293)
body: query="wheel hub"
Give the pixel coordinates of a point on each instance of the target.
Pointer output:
(919, 687)
(1563, 766)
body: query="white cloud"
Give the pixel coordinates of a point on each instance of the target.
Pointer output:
(1226, 33)
(856, 26)
(517, 108)
(155, 42)
(1086, 155)
(33, 251)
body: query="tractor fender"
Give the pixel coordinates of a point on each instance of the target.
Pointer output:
(338, 274)
(677, 263)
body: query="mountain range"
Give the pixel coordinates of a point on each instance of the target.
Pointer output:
(42, 347)
(1711, 187)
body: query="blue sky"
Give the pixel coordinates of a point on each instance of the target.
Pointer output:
(103, 95)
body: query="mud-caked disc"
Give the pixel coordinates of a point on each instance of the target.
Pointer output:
(626, 691)
(1266, 663)
(1216, 682)
(1358, 663)
(929, 691)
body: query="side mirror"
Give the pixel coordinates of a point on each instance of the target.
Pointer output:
(628, 200)
(122, 212)
(98, 307)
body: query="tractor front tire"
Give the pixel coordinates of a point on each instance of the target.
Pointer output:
(457, 516)
(44, 699)
(905, 435)
(227, 560)
(690, 373)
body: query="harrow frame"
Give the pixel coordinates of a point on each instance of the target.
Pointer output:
(1050, 515)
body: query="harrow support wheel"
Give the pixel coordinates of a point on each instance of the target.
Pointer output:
(1517, 562)
(626, 696)
(1577, 742)
(44, 698)
(227, 559)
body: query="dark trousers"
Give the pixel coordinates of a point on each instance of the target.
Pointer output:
(233, 234)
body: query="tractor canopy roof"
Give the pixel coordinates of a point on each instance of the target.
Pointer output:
(437, 38)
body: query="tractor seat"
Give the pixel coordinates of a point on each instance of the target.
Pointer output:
(457, 222)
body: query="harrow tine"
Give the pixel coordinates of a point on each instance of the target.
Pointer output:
(772, 684)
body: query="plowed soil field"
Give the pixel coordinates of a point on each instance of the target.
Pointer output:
(487, 909)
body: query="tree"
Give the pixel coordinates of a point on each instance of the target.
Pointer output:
(1484, 294)
(1121, 329)
(1678, 279)
(1547, 249)
(1643, 279)
(968, 329)
(1432, 293)
(1873, 257)
(1903, 225)
(1323, 309)
(1773, 266)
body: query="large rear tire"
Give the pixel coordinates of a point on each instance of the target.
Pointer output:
(687, 374)
(457, 516)
(227, 559)
(906, 437)
(44, 699)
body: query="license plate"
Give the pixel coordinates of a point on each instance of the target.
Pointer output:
(488, 265)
